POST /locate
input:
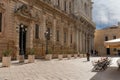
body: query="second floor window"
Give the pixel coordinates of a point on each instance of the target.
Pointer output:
(70, 7)
(65, 6)
(36, 31)
(58, 3)
(0, 22)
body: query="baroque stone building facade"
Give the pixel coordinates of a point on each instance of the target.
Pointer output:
(104, 35)
(23, 24)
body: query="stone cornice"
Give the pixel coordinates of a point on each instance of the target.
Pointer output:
(49, 8)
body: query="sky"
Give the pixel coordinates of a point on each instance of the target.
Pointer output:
(106, 13)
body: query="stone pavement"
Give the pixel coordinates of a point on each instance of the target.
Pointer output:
(74, 69)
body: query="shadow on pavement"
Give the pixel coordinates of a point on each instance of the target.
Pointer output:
(111, 73)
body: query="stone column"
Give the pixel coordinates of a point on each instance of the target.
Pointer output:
(43, 27)
(84, 40)
(31, 28)
(17, 37)
(62, 34)
(81, 41)
(90, 43)
(54, 30)
(68, 36)
(87, 43)
(77, 40)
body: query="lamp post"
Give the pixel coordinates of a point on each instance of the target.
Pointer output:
(47, 36)
(21, 59)
(22, 43)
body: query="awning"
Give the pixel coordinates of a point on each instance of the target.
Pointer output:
(115, 43)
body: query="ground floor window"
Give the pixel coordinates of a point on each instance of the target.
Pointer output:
(0, 22)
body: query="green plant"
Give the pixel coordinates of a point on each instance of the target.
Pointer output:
(76, 52)
(49, 51)
(68, 52)
(61, 52)
(32, 51)
(6, 53)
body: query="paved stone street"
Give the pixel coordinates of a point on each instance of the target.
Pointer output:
(74, 69)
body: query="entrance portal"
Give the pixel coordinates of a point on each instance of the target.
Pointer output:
(108, 51)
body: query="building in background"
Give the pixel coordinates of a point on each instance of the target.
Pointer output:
(106, 34)
(23, 24)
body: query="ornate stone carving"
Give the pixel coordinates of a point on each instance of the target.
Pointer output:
(26, 11)
(23, 10)
(2, 7)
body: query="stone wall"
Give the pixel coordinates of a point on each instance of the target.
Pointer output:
(78, 28)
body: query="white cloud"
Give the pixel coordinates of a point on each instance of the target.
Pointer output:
(106, 12)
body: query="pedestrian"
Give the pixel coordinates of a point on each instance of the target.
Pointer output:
(95, 52)
(91, 52)
(88, 57)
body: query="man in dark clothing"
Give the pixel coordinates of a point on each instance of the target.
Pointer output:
(91, 52)
(88, 57)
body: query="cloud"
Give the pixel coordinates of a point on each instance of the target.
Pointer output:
(106, 12)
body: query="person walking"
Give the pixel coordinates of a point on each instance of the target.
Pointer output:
(88, 57)
(91, 52)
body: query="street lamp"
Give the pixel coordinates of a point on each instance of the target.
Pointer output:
(21, 43)
(47, 36)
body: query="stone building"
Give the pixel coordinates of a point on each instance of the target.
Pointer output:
(23, 24)
(106, 34)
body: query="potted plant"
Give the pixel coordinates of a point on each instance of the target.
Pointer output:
(6, 59)
(60, 56)
(68, 54)
(49, 55)
(31, 56)
(81, 54)
(75, 54)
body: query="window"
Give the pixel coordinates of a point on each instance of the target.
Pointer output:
(114, 37)
(65, 5)
(57, 33)
(36, 31)
(70, 6)
(64, 37)
(0, 22)
(71, 38)
(58, 3)
(85, 6)
(106, 38)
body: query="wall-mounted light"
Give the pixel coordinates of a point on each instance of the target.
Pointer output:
(17, 28)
